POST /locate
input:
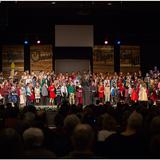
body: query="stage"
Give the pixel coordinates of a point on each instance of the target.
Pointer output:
(46, 107)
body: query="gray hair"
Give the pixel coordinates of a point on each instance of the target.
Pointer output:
(83, 137)
(71, 121)
(135, 120)
(33, 137)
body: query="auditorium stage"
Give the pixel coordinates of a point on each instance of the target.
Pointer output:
(46, 107)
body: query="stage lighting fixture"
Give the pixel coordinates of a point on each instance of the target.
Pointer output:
(109, 3)
(53, 3)
(38, 42)
(118, 42)
(25, 42)
(105, 42)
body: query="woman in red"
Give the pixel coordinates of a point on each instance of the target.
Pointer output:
(79, 94)
(134, 94)
(32, 97)
(153, 95)
(101, 91)
(121, 90)
(52, 94)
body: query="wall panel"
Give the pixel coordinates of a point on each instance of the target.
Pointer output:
(13, 53)
(41, 57)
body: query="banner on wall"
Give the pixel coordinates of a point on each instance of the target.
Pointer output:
(103, 58)
(129, 58)
(41, 57)
(15, 54)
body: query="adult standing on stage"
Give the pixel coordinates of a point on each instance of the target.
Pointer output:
(79, 94)
(28, 92)
(93, 90)
(44, 92)
(37, 93)
(107, 92)
(64, 92)
(86, 93)
(22, 95)
(143, 93)
(101, 92)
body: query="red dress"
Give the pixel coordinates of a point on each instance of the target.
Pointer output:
(101, 91)
(51, 92)
(121, 89)
(154, 97)
(32, 97)
(79, 96)
(134, 95)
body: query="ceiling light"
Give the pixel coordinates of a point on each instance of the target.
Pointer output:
(109, 3)
(53, 3)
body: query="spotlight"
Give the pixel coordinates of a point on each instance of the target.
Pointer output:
(105, 42)
(25, 42)
(109, 3)
(118, 42)
(53, 3)
(38, 42)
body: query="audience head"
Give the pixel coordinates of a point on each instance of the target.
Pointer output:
(10, 143)
(108, 122)
(83, 137)
(155, 125)
(29, 117)
(71, 121)
(59, 120)
(155, 146)
(33, 137)
(135, 121)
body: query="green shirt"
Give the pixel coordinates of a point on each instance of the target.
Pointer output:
(71, 89)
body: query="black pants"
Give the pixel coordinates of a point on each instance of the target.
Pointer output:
(44, 100)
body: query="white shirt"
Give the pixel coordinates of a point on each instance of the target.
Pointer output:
(1, 96)
(106, 81)
(103, 134)
(64, 90)
(28, 80)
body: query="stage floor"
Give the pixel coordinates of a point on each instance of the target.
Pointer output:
(46, 107)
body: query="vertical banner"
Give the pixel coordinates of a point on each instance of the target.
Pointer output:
(103, 58)
(129, 58)
(41, 58)
(13, 53)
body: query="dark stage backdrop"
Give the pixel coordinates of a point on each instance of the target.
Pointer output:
(74, 35)
(73, 47)
(68, 59)
(72, 65)
(149, 56)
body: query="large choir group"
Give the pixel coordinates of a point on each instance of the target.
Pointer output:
(98, 115)
(48, 88)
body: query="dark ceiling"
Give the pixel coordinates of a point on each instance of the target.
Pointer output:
(135, 21)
